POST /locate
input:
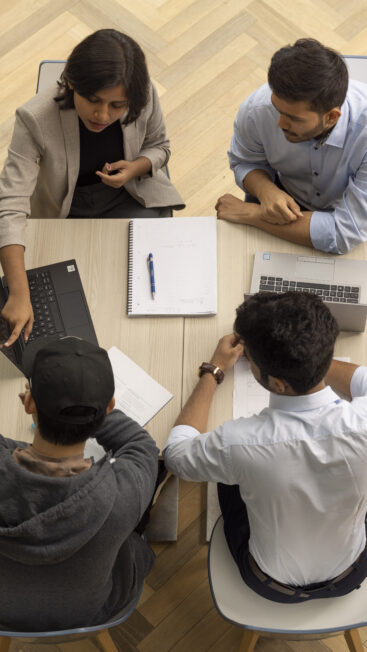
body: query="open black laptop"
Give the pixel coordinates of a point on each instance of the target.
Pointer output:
(59, 305)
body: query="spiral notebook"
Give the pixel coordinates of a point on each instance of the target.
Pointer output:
(185, 266)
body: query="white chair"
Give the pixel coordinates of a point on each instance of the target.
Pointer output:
(357, 67)
(238, 604)
(68, 635)
(48, 72)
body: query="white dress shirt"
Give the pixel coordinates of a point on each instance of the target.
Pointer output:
(330, 179)
(301, 468)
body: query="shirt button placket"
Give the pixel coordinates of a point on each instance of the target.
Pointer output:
(315, 169)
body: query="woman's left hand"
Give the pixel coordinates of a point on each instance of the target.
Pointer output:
(126, 170)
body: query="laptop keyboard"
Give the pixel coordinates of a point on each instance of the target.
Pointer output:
(335, 293)
(46, 314)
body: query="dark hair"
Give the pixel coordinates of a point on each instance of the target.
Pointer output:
(289, 336)
(106, 59)
(68, 434)
(310, 72)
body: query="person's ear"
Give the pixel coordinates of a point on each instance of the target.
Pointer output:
(111, 405)
(332, 117)
(29, 404)
(277, 385)
(70, 86)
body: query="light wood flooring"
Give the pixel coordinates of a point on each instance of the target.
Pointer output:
(205, 57)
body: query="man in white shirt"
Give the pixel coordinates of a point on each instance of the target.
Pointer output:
(299, 150)
(293, 489)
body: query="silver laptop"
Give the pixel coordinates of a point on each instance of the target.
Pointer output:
(341, 283)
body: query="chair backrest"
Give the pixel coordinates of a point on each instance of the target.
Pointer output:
(49, 72)
(240, 605)
(357, 67)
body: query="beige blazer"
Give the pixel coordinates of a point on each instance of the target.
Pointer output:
(42, 166)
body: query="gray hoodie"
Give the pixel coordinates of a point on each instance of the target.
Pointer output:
(68, 554)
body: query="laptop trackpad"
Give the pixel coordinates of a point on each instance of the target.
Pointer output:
(308, 268)
(72, 309)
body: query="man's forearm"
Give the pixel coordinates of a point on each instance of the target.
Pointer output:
(339, 376)
(256, 181)
(297, 232)
(12, 262)
(196, 410)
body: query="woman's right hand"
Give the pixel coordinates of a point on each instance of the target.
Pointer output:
(18, 312)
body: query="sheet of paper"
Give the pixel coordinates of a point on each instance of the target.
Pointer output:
(249, 397)
(137, 394)
(185, 266)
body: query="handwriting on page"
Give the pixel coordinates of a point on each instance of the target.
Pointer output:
(185, 266)
(137, 394)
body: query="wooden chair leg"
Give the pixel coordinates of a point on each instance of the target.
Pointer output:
(105, 641)
(5, 643)
(249, 640)
(353, 640)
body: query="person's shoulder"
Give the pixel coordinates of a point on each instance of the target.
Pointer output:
(357, 101)
(41, 105)
(257, 106)
(248, 431)
(259, 98)
(7, 444)
(153, 96)
(358, 89)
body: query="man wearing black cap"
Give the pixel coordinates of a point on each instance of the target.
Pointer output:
(69, 552)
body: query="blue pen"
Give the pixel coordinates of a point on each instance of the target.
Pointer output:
(151, 272)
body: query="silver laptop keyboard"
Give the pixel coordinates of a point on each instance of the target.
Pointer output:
(335, 293)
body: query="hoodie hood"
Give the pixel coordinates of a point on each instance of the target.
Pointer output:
(59, 516)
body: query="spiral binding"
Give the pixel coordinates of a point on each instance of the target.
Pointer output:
(130, 268)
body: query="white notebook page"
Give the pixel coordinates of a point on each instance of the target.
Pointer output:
(137, 394)
(185, 266)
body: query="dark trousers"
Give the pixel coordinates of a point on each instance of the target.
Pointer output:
(101, 201)
(142, 525)
(237, 533)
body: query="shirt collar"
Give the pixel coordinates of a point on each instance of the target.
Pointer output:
(338, 135)
(305, 402)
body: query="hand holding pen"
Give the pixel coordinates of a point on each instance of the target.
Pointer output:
(151, 273)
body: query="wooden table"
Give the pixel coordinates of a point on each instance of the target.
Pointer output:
(155, 344)
(169, 348)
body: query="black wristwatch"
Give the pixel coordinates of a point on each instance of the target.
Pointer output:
(207, 368)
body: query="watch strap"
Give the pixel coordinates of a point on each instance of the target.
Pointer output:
(208, 368)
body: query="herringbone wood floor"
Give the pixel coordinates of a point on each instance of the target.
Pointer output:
(205, 57)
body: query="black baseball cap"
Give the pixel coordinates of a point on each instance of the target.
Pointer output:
(66, 373)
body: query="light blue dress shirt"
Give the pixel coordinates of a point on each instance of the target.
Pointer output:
(301, 469)
(330, 180)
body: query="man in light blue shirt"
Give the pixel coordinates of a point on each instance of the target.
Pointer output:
(299, 148)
